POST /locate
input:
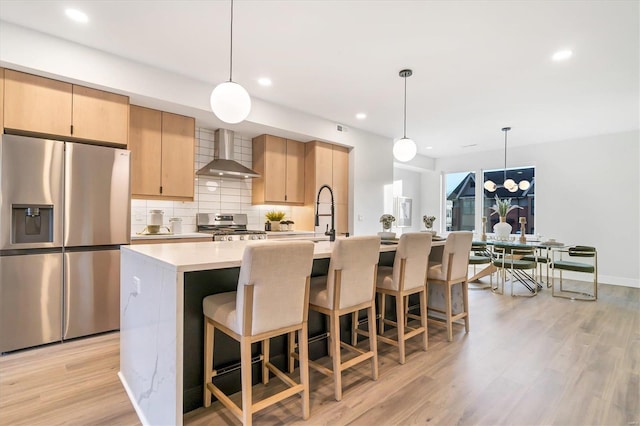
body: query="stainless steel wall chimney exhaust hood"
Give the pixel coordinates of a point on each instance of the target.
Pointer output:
(223, 164)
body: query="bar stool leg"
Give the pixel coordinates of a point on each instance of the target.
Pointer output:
(354, 325)
(447, 297)
(291, 347)
(330, 336)
(373, 341)
(265, 360)
(303, 340)
(208, 359)
(335, 343)
(400, 326)
(245, 373)
(423, 319)
(383, 299)
(465, 303)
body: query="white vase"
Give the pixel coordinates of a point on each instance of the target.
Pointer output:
(502, 230)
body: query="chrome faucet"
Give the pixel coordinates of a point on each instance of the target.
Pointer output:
(330, 232)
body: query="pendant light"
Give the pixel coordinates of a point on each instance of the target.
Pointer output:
(230, 102)
(508, 184)
(405, 149)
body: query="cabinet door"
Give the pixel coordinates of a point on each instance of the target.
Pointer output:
(37, 104)
(295, 172)
(341, 174)
(178, 155)
(145, 143)
(275, 166)
(100, 116)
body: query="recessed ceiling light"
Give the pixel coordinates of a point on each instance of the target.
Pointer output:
(428, 147)
(264, 81)
(562, 55)
(77, 15)
(361, 116)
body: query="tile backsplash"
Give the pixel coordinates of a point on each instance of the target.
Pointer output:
(211, 195)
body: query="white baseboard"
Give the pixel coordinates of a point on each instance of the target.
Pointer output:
(602, 279)
(141, 416)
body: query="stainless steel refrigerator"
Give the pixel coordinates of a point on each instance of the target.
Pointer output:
(64, 212)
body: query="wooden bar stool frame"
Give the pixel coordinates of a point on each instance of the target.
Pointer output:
(245, 415)
(335, 343)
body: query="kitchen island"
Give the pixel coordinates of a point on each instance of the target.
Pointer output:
(161, 323)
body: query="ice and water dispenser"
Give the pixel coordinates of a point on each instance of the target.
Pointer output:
(31, 223)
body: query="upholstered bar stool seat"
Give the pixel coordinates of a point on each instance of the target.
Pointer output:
(453, 270)
(348, 287)
(272, 300)
(407, 276)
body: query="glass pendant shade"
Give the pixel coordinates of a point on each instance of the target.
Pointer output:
(524, 185)
(510, 184)
(404, 149)
(490, 186)
(230, 102)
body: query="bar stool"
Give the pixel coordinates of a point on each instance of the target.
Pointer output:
(348, 287)
(451, 271)
(407, 276)
(272, 299)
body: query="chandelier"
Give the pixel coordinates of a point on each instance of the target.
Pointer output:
(508, 184)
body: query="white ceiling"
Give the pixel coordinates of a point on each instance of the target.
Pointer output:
(478, 65)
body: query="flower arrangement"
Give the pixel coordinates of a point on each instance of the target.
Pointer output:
(428, 221)
(275, 215)
(387, 220)
(503, 207)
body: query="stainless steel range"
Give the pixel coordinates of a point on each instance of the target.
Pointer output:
(227, 227)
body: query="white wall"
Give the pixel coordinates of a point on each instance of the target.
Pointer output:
(408, 183)
(371, 164)
(587, 192)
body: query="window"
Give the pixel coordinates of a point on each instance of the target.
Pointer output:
(461, 201)
(525, 198)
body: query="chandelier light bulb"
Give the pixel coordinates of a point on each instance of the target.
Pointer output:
(404, 149)
(510, 184)
(524, 185)
(230, 102)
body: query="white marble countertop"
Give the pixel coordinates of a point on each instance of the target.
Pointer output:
(201, 256)
(170, 236)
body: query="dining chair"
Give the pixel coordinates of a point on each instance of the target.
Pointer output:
(451, 272)
(271, 300)
(480, 255)
(348, 287)
(515, 260)
(589, 265)
(407, 276)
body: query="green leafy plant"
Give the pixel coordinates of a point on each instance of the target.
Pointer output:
(275, 215)
(387, 220)
(503, 207)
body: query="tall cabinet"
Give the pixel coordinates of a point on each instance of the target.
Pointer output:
(162, 154)
(281, 165)
(328, 164)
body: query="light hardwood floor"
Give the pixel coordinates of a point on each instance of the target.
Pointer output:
(541, 360)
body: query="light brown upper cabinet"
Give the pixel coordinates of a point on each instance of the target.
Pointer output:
(34, 104)
(162, 154)
(328, 164)
(280, 163)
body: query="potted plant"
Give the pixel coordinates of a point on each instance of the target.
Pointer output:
(428, 222)
(387, 220)
(502, 207)
(275, 216)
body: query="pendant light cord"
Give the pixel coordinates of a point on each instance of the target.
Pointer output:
(405, 108)
(231, 50)
(505, 155)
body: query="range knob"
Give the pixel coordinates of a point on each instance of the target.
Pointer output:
(229, 238)
(241, 237)
(252, 237)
